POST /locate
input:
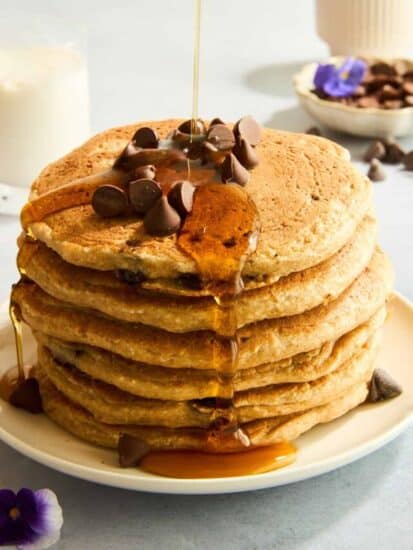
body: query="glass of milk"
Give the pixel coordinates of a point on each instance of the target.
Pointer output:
(44, 96)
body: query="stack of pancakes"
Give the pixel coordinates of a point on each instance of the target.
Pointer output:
(126, 331)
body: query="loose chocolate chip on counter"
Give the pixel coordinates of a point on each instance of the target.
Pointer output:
(246, 154)
(143, 194)
(146, 137)
(383, 387)
(162, 219)
(376, 172)
(181, 197)
(376, 150)
(216, 120)
(186, 127)
(248, 128)
(313, 131)
(131, 450)
(408, 161)
(27, 396)
(147, 172)
(109, 201)
(394, 153)
(130, 277)
(233, 171)
(221, 136)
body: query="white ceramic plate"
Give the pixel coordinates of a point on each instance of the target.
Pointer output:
(321, 450)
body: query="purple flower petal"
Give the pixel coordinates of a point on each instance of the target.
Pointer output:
(49, 513)
(323, 74)
(26, 503)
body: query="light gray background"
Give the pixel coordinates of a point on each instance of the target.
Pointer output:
(140, 68)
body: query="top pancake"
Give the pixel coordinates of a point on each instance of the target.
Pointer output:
(309, 198)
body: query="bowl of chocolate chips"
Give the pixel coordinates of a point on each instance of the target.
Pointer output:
(359, 96)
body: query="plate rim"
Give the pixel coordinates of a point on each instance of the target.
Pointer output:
(124, 479)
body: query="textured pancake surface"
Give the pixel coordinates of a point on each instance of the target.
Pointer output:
(78, 421)
(309, 197)
(291, 295)
(260, 343)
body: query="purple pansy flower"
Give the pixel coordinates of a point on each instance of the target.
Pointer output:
(340, 81)
(29, 520)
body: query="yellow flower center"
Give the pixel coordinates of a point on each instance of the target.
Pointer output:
(344, 75)
(14, 513)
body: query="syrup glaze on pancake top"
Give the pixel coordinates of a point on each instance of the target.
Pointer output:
(302, 207)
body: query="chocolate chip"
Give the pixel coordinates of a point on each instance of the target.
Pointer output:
(408, 88)
(383, 387)
(143, 194)
(408, 161)
(383, 69)
(109, 201)
(393, 104)
(248, 128)
(376, 150)
(27, 396)
(145, 137)
(181, 196)
(368, 102)
(400, 67)
(246, 154)
(233, 171)
(216, 120)
(313, 131)
(147, 172)
(409, 100)
(162, 219)
(221, 137)
(360, 91)
(186, 127)
(394, 153)
(130, 277)
(376, 172)
(390, 92)
(131, 450)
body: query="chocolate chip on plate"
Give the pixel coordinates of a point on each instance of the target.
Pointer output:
(131, 450)
(221, 137)
(181, 197)
(246, 154)
(248, 129)
(27, 396)
(143, 194)
(162, 219)
(383, 387)
(109, 201)
(233, 171)
(383, 69)
(376, 171)
(146, 137)
(147, 172)
(376, 150)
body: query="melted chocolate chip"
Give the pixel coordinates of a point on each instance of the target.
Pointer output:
(233, 171)
(146, 138)
(109, 201)
(27, 396)
(181, 196)
(376, 150)
(248, 128)
(147, 172)
(246, 154)
(162, 219)
(131, 450)
(143, 194)
(130, 277)
(383, 387)
(221, 137)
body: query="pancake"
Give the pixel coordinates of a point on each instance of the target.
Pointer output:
(112, 406)
(309, 197)
(259, 343)
(185, 384)
(261, 432)
(291, 295)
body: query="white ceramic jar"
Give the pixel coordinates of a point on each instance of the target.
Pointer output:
(376, 28)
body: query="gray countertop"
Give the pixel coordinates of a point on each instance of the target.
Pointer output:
(140, 68)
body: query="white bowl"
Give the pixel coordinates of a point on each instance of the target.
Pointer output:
(366, 121)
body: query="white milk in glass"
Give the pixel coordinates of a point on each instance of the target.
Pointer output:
(44, 109)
